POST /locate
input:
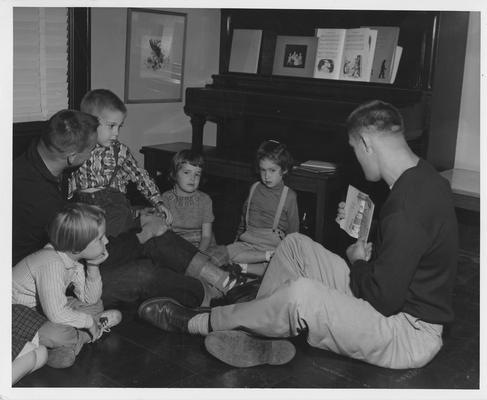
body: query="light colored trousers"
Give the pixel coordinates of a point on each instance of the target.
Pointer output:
(307, 287)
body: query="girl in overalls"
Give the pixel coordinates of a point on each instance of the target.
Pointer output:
(269, 213)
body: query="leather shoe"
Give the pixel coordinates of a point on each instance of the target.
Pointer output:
(239, 349)
(242, 293)
(166, 314)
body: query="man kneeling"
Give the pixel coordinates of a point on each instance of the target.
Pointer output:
(388, 311)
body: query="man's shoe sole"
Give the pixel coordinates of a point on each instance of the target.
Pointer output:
(239, 349)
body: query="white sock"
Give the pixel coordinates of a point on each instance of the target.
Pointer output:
(244, 267)
(198, 325)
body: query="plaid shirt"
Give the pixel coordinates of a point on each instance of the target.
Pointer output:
(97, 171)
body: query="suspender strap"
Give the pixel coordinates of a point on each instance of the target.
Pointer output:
(116, 150)
(280, 207)
(252, 190)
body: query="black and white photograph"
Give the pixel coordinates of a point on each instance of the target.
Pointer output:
(295, 56)
(176, 217)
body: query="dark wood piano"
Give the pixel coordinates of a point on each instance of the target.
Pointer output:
(309, 114)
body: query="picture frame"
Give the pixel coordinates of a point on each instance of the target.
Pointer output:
(154, 58)
(295, 56)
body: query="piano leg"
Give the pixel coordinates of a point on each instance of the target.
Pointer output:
(198, 123)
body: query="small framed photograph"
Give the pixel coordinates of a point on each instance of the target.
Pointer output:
(154, 61)
(295, 56)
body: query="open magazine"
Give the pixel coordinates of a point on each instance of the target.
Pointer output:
(359, 210)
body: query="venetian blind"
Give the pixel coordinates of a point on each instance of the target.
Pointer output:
(40, 55)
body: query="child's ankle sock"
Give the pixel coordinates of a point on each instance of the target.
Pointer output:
(213, 275)
(226, 284)
(199, 324)
(196, 265)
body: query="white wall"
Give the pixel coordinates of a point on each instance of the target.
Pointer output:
(155, 122)
(467, 154)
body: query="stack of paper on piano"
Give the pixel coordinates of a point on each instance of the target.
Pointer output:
(318, 166)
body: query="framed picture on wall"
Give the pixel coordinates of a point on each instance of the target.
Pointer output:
(154, 60)
(295, 56)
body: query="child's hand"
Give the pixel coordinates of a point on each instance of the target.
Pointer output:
(340, 212)
(166, 212)
(149, 215)
(152, 225)
(147, 211)
(95, 262)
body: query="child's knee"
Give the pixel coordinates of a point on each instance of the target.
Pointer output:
(56, 335)
(297, 237)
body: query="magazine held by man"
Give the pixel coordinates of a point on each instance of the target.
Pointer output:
(359, 210)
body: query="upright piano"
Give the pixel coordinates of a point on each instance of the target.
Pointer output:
(309, 114)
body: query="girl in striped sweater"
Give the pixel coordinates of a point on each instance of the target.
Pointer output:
(41, 280)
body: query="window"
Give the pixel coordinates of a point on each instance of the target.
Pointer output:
(40, 84)
(78, 75)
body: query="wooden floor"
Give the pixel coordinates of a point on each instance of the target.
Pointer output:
(137, 355)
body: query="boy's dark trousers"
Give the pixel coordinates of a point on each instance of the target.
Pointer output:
(119, 215)
(134, 272)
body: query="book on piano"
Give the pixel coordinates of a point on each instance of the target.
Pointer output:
(244, 54)
(317, 166)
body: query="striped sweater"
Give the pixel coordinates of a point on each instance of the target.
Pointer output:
(40, 281)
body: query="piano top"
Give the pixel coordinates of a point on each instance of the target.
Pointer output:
(315, 102)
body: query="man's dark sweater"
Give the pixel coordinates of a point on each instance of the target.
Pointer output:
(416, 248)
(37, 197)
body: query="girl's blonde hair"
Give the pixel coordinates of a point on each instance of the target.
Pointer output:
(75, 226)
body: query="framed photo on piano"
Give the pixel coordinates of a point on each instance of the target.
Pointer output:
(295, 56)
(154, 58)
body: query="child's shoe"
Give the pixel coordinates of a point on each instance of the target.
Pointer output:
(61, 357)
(235, 277)
(108, 319)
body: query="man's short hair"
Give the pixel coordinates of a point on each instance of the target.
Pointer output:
(97, 100)
(75, 226)
(377, 115)
(70, 130)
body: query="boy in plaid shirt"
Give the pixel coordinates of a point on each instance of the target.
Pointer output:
(103, 178)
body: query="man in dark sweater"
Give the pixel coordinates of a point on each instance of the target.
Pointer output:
(145, 262)
(388, 310)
